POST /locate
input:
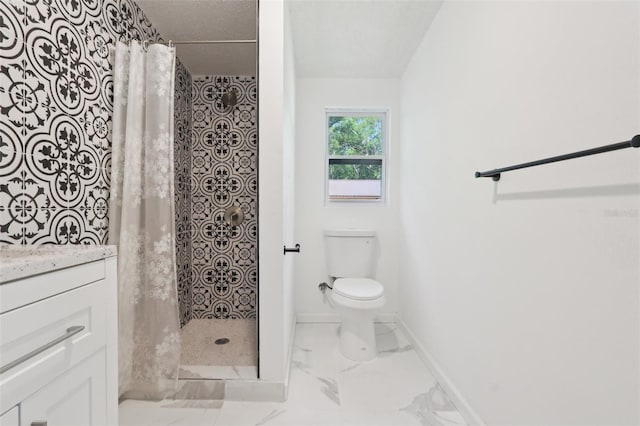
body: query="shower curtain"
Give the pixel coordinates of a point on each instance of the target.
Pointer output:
(141, 220)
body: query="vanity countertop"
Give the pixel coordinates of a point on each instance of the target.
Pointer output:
(20, 261)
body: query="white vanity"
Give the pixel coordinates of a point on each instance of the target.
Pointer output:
(58, 335)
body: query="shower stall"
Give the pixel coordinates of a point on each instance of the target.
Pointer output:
(58, 183)
(217, 217)
(216, 196)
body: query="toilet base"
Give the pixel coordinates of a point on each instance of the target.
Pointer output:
(357, 335)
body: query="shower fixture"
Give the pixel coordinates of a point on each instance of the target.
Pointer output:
(230, 98)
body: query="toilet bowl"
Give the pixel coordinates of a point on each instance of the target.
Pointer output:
(350, 256)
(357, 301)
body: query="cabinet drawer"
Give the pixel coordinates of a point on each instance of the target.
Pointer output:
(19, 293)
(30, 328)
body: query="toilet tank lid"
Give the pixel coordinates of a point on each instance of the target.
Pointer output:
(349, 232)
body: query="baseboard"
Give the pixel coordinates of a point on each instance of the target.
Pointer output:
(469, 414)
(331, 318)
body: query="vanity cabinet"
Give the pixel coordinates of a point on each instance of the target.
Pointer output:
(58, 346)
(76, 397)
(11, 417)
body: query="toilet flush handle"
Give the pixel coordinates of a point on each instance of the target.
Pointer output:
(292, 250)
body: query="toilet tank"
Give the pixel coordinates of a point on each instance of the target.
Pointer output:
(350, 252)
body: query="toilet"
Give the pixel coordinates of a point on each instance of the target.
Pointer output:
(350, 257)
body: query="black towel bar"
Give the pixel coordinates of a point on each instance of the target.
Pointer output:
(495, 173)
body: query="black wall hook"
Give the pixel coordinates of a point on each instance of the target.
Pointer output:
(292, 250)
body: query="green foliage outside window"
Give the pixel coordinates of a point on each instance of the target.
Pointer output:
(355, 136)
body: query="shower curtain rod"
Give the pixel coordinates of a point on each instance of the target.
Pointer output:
(171, 42)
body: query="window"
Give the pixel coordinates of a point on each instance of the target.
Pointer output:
(356, 151)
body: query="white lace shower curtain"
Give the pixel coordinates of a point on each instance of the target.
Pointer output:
(141, 220)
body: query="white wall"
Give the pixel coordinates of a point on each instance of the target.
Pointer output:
(271, 201)
(288, 189)
(312, 216)
(525, 292)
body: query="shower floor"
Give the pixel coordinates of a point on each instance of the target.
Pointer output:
(202, 358)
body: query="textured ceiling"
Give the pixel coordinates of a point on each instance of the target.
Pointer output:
(357, 38)
(208, 20)
(332, 38)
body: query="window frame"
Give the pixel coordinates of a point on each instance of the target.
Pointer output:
(358, 112)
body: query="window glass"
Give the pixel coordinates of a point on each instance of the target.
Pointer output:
(356, 156)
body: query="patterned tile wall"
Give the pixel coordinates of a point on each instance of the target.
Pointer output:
(56, 103)
(55, 115)
(182, 156)
(224, 174)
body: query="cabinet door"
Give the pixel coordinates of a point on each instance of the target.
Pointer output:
(32, 327)
(77, 397)
(11, 417)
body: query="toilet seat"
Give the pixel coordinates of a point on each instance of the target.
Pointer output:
(358, 288)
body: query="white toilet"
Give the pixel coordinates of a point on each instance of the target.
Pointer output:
(350, 255)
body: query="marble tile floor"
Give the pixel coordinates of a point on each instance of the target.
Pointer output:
(325, 389)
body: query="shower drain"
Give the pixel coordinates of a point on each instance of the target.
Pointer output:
(222, 341)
